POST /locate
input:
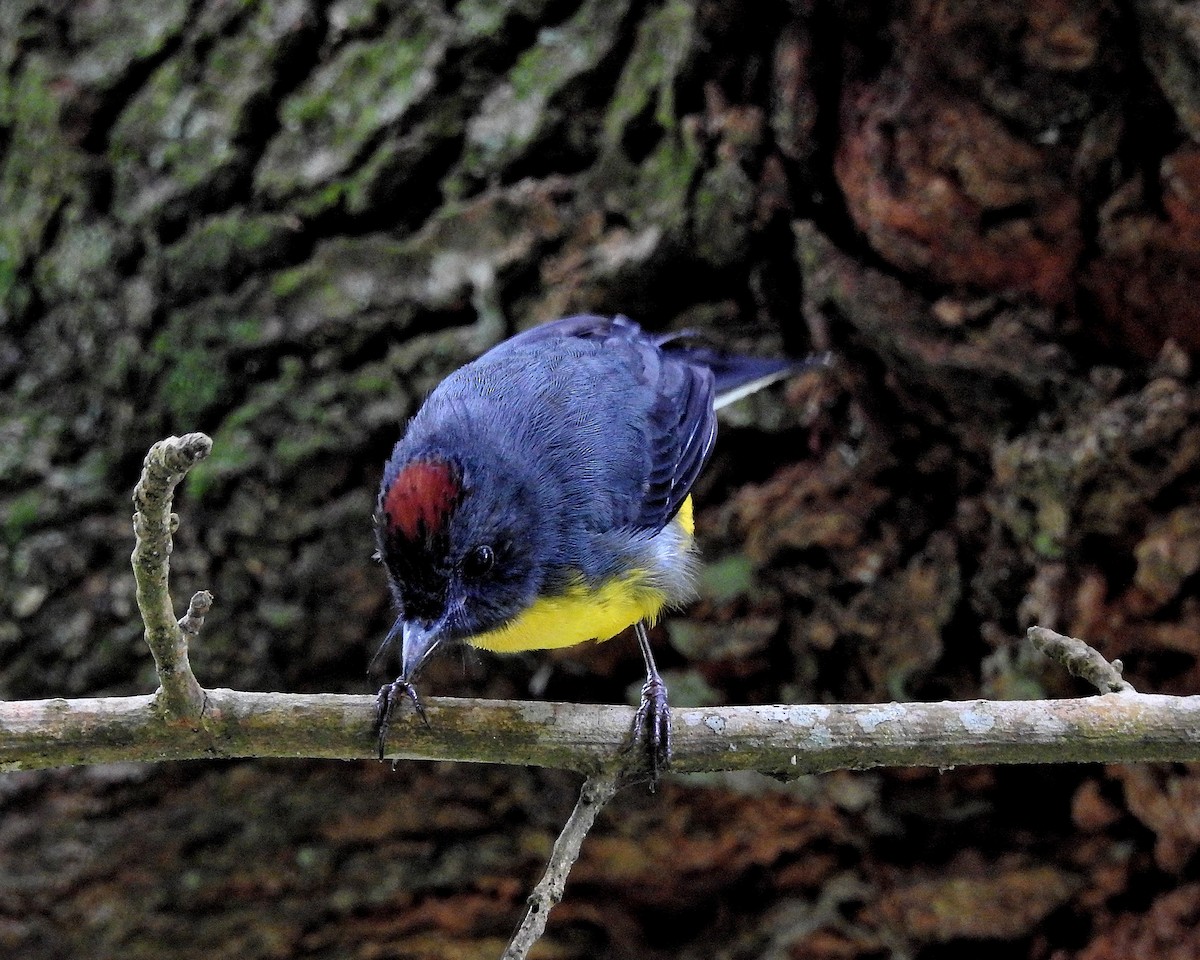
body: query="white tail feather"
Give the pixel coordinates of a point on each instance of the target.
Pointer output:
(735, 394)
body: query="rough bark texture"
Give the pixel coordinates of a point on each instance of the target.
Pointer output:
(281, 223)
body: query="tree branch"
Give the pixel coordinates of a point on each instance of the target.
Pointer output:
(593, 795)
(781, 740)
(153, 524)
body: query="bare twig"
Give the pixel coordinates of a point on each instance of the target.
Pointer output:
(153, 524)
(593, 795)
(779, 740)
(1081, 660)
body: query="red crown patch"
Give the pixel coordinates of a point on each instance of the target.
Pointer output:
(421, 498)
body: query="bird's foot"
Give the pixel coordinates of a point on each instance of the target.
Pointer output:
(653, 722)
(385, 706)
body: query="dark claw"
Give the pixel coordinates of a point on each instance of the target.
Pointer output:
(385, 706)
(653, 720)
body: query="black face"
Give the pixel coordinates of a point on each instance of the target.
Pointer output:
(466, 544)
(472, 576)
(419, 573)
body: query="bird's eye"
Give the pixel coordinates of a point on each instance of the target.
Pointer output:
(478, 561)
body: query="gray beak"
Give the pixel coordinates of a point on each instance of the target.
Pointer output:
(419, 641)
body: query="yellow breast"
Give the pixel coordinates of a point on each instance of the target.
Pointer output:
(582, 612)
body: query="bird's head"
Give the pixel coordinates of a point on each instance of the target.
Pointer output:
(458, 549)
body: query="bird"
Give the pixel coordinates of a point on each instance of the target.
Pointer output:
(541, 497)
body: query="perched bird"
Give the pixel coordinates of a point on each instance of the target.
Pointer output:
(540, 497)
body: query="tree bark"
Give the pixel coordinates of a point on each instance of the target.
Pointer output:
(281, 223)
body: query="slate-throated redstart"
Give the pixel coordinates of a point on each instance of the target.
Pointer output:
(540, 497)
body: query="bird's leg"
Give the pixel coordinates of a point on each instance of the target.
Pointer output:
(385, 706)
(653, 717)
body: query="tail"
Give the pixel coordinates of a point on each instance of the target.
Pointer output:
(739, 376)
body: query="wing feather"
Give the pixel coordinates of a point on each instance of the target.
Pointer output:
(682, 429)
(680, 426)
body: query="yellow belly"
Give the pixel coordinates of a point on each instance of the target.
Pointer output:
(582, 612)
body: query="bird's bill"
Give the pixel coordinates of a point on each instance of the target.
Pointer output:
(418, 642)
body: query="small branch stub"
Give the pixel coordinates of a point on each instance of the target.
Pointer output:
(1081, 660)
(192, 622)
(166, 464)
